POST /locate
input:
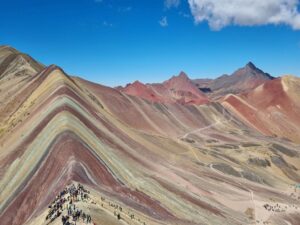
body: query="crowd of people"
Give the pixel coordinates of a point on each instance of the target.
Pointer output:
(275, 208)
(66, 200)
(279, 208)
(294, 192)
(66, 206)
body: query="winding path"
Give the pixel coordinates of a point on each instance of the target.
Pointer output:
(211, 165)
(209, 126)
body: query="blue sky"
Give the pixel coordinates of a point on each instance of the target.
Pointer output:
(115, 42)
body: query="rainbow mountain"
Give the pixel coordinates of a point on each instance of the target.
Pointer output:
(214, 161)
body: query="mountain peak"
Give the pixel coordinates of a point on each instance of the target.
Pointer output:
(254, 70)
(183, 75)
(251, 65)
(15, 64)
(53, 67)
(9, 48)
(138, 83)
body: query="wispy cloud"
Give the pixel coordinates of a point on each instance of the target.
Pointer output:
(222, 13)
(125, 9)
(172, 3)
(163, 22)
(185, 15)
(107, 24)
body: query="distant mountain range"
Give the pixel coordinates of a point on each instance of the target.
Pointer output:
(183, 90)
(263, 101)
(223, 151)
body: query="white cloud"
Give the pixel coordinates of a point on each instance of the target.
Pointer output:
(163, 22)
(221, 13)
(172, 3)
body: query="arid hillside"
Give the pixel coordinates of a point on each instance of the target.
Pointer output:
(272, 108)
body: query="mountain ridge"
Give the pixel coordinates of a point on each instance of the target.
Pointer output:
(242, 80)
(178, 89)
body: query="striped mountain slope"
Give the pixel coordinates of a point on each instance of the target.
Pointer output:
(164, 163)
